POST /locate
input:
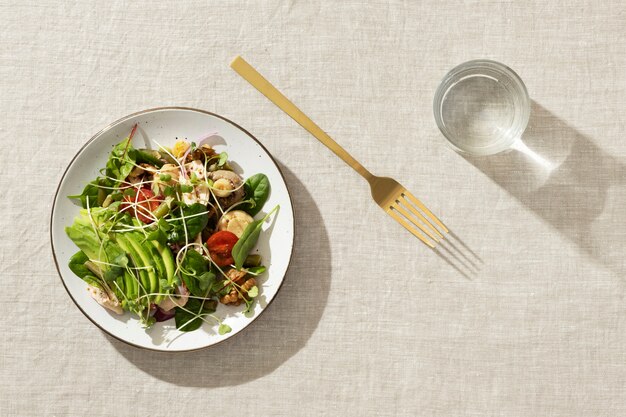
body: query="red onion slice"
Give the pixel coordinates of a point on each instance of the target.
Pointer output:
(162, 315)
(199, 144)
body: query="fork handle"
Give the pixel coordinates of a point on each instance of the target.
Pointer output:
(268, 90)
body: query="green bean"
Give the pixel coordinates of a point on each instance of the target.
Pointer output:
(162, 210)
(252, 260)
(149, 156)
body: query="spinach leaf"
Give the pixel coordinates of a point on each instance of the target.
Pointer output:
(206, 280)
(78, 267)
(77, 264)
(149, 157)
(194, 224)
(121, 162)
(257, 189)
(196, 274)
(187, 321)
(90, 192)
(248, 239)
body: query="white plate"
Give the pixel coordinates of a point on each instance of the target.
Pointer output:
(165, 125)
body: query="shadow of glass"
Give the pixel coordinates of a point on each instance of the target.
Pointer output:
(568, 181)
(275, 336)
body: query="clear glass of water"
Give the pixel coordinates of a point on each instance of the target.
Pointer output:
(482, 107)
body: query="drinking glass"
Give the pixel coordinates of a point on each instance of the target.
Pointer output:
(482, 107)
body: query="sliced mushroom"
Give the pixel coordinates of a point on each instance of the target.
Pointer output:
(231, 184)
(202, 153)
(235, 222)
(222, 188)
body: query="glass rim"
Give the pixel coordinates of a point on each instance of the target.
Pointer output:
(449, 81)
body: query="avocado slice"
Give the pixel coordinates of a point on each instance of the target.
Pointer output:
(168, 261)
(153, 282)
(131, 285)
(126, 245)
(161, 272)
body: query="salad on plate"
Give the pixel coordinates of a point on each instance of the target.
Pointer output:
(170, 233)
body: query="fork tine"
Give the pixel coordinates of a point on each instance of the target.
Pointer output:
(408, 216)
(399, 219)
(425, 210)
(420, 216)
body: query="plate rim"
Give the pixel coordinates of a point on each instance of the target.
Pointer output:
(108, 127)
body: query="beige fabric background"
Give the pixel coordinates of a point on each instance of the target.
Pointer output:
(369, 322)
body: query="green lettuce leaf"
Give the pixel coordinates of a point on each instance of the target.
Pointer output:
(96, 246)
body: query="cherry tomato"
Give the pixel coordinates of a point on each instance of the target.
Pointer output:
(141, 204)
(220, 246)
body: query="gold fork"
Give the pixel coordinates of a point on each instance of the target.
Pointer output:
(390, 195)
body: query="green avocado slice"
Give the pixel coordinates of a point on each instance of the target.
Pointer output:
(146, 259)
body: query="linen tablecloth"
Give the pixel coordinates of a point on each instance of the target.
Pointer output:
(369, 321)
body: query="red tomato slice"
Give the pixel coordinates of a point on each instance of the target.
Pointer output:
(220, 246)
(141, 205)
